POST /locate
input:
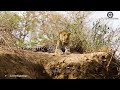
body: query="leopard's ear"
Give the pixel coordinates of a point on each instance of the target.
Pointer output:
(60, 33)
(69, 33)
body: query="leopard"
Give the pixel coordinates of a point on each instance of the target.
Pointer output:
(63, 43)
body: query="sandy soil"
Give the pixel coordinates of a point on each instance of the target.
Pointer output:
(21, 64)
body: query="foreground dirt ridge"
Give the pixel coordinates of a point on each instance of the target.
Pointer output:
(21, 64)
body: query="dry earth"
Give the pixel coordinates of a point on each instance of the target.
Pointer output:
(21, 64)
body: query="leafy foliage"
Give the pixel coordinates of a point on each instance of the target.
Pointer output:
(33, 28)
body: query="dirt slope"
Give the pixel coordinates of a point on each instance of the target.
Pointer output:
(21, 64)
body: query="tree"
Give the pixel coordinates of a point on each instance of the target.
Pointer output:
(9, 23)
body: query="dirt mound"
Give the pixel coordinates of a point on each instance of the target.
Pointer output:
(39, 65)
(16, 66)
(84, 66)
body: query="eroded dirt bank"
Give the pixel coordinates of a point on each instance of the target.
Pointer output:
(19, 64)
